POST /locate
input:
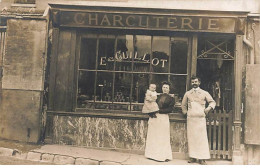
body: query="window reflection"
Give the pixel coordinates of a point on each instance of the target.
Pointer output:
(179, 53)
(142, 52)
(122, 87)
(106, 52)
(140, 85)
(104, 86)
(124, 53)
(103, 95)
(88, 52)
(160, 59)
(85, 88)
(158, 79)
(178, 87)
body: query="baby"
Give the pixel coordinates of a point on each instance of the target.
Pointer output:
(150, 105)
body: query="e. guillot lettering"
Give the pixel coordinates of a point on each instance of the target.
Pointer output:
(141, 21)
(122, 56)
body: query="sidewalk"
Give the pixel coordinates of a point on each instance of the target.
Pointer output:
(64, 154)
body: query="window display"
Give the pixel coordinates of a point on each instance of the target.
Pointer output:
(116, 70)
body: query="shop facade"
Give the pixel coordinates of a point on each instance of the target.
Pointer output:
(104, 58)
(79, 74)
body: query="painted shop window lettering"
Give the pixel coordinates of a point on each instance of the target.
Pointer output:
(116, 70)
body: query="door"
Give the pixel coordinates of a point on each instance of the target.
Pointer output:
(215, 67)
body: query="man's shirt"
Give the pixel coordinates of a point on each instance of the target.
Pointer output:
(197, 95)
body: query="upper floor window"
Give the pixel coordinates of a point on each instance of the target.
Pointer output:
(24, 1)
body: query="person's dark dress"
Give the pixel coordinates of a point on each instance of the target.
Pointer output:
(165, 103)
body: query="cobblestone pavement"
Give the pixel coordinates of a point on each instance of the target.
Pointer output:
(20, 146)
(8, 160)
(16, 153)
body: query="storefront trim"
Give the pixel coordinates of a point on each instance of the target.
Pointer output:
(168, 22)
(148, 19)
(231, 24)
(132, 7)
(174, 117)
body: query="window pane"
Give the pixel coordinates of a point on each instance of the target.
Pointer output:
(24, 1)
(157, 80)
(121, 106)
(130, 55)
(160, 59)
(140, 66)
(106, 51)
(179, 52)
(124, 52)
(85, 88)
(88, 52)
(216, 47)
(104, 90)
(178, 87)
(137, 107)
(122, 87)
(140, 85)
(142, 46)
(104, 86)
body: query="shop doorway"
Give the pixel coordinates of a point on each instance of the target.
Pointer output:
(215, 67)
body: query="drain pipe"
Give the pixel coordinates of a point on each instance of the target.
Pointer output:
(250, 46)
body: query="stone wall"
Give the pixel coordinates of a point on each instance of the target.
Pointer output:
(252, 155)
(253, 35)
(24, 54)
(252, 149)
(19, 116)
(230, 5)
(22, 82)
(121, 134)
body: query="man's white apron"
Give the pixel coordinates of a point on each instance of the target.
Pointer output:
(197, 133)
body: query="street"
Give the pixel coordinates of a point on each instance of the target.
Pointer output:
(6, 160)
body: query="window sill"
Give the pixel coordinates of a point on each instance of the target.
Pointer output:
(174, 117)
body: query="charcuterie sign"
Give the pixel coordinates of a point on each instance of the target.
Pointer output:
(146, 21)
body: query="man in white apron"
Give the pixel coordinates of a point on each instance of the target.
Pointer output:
(193, 104)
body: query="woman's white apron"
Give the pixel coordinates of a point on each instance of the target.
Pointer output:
(158, 146)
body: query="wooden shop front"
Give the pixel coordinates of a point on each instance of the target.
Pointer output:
(103, 58)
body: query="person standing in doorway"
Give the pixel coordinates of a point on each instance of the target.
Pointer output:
(193, 105)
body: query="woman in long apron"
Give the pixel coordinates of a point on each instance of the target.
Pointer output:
(158, 146)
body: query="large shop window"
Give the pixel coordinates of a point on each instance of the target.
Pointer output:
(115, 70)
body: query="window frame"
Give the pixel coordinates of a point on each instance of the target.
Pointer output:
(23, 5)
(82, 34)
(20, 2)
